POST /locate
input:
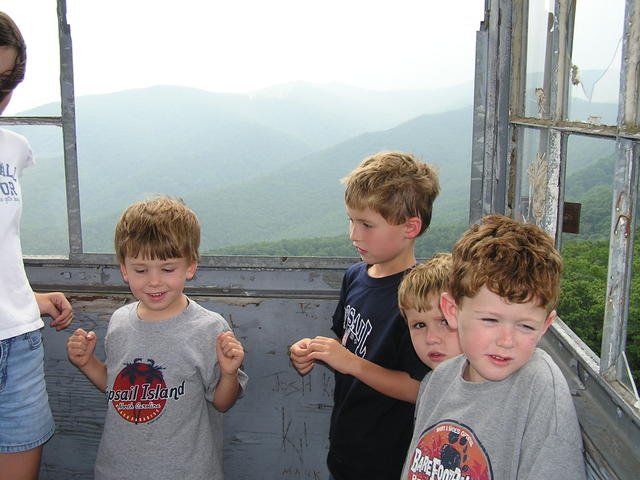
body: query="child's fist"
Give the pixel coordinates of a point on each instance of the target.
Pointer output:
(299, 355)
(230, 353)
(80, 347)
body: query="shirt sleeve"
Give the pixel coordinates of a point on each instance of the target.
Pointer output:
(337, 325)
(557, 458)
(552, 442)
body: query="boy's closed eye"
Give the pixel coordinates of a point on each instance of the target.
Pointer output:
(527, 327)
(361, 222)
(489, 320)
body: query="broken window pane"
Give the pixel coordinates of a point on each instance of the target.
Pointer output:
(595, 62)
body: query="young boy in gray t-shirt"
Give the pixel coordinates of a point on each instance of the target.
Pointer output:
(502, 410)
(172, 366)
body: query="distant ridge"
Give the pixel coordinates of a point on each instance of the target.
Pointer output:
(255, 167)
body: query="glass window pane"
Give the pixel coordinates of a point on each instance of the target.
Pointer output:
(589, 174)
(44, 213)
(532, 162)
(39, 93)
(254, 121)
(595, 62)
(539, 29)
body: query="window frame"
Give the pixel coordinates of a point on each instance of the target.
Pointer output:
(604, 396)
(67, 122)
(604, 392)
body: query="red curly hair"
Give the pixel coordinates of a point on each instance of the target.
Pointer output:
(517, 261)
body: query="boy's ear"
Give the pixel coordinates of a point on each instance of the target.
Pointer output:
(123, 272)
(191, 270)
(449, 309)
(413, 226)
(549, 320)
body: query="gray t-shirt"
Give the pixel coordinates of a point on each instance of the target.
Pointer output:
(161, 376)
(523, 427)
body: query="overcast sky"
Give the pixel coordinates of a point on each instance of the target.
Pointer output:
(245, 45)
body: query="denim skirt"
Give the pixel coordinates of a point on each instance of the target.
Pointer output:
(25, 417)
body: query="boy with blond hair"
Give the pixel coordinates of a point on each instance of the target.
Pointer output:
(419, 300)
(389, 199)
(503, 409)
(172, 367)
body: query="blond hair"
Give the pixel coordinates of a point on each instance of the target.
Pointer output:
(424, 283)
(517, 261)
(158, 228)
(395, 185)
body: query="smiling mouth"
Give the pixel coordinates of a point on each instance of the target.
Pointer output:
(499, 359)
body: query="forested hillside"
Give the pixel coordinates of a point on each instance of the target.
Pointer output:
(585, 261)
(585, 255)
(254, 168)
(263, 172)
(435, 239)
(583, 296)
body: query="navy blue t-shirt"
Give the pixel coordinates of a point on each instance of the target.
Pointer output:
(370, 432)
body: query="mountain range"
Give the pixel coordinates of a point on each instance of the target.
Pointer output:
(258, 167)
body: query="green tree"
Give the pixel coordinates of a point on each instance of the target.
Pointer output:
(583, 294)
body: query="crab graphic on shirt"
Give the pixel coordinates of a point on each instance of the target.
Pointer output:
(139, 392)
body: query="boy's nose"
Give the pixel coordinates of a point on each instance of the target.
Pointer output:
(352, 233)
(154, 278)
(432, 339)
(505, 337)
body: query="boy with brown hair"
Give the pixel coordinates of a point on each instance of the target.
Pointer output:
(419, 300)
(389, 199)
(172, 367)
(502, 410)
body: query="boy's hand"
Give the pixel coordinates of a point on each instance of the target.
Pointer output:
(56, 305)
(331, 352)
(299, 355)
(230, 353)
(80, 347)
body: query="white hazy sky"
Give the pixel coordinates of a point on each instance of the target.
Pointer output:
(245, 45)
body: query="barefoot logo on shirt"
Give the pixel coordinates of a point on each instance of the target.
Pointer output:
(139, 391)
(449, 450)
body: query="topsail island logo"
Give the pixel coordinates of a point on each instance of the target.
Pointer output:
(140, 393)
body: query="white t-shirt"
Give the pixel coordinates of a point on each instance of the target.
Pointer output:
(19, 312)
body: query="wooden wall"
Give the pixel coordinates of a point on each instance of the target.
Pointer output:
(278, 430)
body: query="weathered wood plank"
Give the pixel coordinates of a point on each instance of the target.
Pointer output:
(278, 430)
